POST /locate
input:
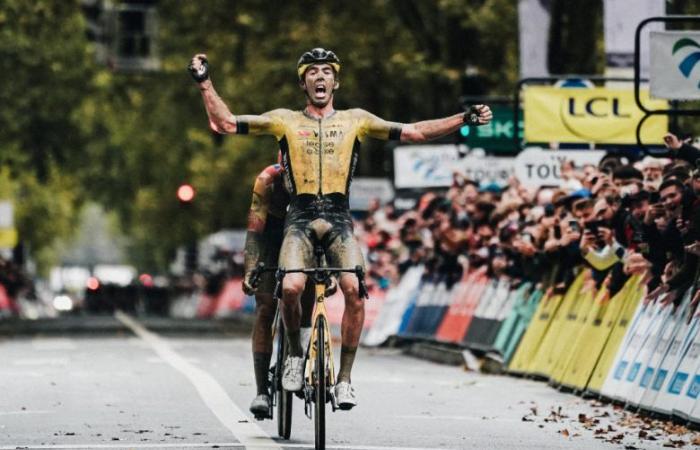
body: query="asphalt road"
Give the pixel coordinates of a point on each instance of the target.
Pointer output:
(141, 390)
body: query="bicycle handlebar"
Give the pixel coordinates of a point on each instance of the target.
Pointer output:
(280, 272)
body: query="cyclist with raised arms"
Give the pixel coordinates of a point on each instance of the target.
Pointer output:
(320, 147)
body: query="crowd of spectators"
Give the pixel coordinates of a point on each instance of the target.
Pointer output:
(617, 219)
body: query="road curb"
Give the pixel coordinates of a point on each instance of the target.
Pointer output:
(90, 325)
(435, 353)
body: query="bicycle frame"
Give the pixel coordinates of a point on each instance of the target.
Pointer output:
(319, 311)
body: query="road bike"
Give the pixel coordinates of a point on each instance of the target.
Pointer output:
(319, 370)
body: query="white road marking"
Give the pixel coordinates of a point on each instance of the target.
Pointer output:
(223, 445)
(214, 396)
(40, 362)
(12, 413)
(53, 344)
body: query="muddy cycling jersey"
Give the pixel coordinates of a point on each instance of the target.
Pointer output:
(319, 155)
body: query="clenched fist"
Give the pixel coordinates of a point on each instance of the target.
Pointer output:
(199, 67)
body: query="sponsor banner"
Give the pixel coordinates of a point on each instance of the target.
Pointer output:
(675, 65)
(620, 24)
(486, 169)
(533, 24)
(362, 190)
(497, 135)
(419, 166)
(535, 167)
(597, 115)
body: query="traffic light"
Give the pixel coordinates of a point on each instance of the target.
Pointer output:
(186, 193)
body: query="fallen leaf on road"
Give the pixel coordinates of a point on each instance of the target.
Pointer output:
(564, 432)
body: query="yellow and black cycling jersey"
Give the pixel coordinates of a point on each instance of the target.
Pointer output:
(319, 155)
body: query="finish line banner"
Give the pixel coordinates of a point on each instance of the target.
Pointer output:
(675, 65)
(599, 115)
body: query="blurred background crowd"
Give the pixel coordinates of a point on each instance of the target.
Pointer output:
(617, 218)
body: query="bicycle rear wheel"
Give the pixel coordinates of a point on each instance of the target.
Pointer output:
(284, 398)
(320, 385)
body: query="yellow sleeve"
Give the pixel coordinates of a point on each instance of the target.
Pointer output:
(373, 126)
(271, 123)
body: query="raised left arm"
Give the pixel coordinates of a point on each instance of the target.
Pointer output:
(427, 130)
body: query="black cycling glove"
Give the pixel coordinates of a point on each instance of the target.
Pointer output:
(471, 116)
(201, 74)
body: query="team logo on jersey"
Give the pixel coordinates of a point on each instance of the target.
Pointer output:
(304, 133)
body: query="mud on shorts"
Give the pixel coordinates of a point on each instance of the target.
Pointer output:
(323, 220)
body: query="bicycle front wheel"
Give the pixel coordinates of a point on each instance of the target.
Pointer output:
(284, 398)
(320, 385)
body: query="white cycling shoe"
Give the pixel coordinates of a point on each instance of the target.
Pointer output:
(260, 407)
(293, 373)
(345, 395)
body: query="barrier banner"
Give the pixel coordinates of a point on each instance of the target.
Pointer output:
(588, 342)
(509, 336)
(397, 299)
(481, 333)
(460, 313)
(411, 306)
(527, 349)
(618, 334)
(544, 358)
(655, 345)
(658, 398)
(640, 348)
(633, 341)
(599, 332)
(685, 381)
(656, 370)
(598, 115)
(573, 324)
(425, 294)
(508, 317)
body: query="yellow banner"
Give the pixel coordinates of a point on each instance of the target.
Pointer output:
(8, 237)
(600, 115)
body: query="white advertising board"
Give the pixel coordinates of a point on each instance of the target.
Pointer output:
(422, 166)
(535, 167)
(486, 169)
(675, 65)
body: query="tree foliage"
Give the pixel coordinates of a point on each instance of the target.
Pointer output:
(72, 130)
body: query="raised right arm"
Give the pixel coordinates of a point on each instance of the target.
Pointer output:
(221, 119)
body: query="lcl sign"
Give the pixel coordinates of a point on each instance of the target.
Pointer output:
(591, 115)
(597, 107)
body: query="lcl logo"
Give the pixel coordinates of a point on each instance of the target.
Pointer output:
(596, 107)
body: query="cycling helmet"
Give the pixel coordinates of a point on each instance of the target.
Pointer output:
(317, 56)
